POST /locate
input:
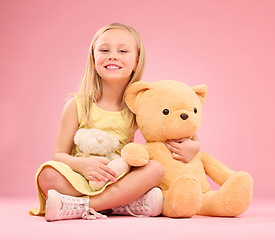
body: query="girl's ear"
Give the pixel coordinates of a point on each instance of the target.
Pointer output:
(201, 91)
(133, 94)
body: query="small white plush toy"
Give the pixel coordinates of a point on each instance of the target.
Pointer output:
(97, 143)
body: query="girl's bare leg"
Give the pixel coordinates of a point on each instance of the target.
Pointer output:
(129, 188)
(126, 190)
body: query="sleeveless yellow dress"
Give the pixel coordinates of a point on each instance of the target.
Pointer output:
(116, 123)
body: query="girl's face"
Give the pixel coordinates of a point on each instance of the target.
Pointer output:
(115, 56)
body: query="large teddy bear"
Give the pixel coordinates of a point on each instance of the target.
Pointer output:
(171, 110)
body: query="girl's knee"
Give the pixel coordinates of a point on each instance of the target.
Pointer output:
(155, 171)
(47, 179)
(47, 174)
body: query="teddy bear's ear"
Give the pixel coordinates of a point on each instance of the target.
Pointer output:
(133, 94)
(201, 91)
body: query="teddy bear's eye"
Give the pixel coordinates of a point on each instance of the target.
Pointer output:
(195, 110)
(165, 111)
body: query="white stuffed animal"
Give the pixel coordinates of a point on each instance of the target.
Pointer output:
(97, 143)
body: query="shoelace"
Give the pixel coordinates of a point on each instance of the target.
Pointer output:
(71, 206)
(91, 214)
(137, 206)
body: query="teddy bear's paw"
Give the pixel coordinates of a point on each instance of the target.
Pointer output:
(135, 154)
(184, 197)
(232, 199)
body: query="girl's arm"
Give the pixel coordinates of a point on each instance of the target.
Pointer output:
(91, 168)
(184, 149)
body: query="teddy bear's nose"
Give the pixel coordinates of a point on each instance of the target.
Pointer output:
(184, 116)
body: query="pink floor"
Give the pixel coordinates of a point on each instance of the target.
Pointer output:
(257, 223)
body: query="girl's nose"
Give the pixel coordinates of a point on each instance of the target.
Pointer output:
(112, 56)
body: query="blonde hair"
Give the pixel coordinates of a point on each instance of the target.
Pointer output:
(91, 88)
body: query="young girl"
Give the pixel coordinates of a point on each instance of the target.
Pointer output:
(116, 60)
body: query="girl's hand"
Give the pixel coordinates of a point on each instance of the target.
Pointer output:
(96, 169)
(184, 149)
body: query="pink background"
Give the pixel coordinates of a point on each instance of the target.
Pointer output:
(228, 45)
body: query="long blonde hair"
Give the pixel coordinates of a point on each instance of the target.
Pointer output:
(91, 88)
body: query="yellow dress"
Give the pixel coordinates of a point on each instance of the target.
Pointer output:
(115, 123)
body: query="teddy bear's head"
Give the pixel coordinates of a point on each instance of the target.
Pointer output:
(166, 109)
(95, 141)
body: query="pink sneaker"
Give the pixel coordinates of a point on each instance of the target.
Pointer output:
(149, 205)
(61, 207)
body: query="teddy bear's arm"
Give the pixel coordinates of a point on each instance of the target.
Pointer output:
(135, 154)
(216, 170)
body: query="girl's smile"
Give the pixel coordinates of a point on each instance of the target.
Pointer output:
(112, 67)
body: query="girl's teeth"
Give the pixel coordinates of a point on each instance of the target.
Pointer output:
(112, 67)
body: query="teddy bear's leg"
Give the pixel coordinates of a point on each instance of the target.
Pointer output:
(118, 165)
(232, 199)
(183, 198)
(96, 185)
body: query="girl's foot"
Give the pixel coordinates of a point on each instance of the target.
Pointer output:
(61, 207)
(149, 205)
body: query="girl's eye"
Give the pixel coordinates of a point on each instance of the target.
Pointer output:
(122, 51)
(104, 50)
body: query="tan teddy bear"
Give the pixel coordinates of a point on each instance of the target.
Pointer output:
(97, 143)
(171, 110)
